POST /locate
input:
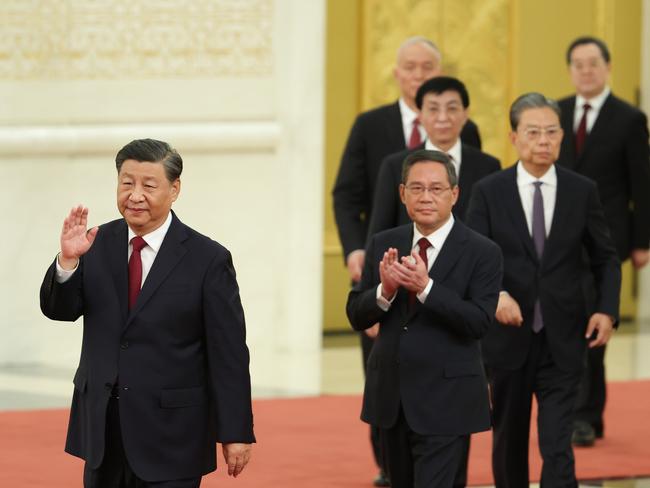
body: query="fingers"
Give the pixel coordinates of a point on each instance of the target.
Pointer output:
(237, 457)
(91, 234)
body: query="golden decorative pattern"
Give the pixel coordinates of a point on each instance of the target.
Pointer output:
(135, 39)
(473, 36)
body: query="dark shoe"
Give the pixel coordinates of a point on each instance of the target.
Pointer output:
(583, 434)
(599, 431)
(381, 479)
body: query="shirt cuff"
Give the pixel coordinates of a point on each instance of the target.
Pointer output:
(63, 275)
(425, 293)
(382, 302)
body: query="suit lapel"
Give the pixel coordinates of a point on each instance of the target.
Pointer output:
(394, 126)
(451, 251)
(170, 253)
(117, 252)
(600, 128)
(560, 212)
(569, 145)
(515, 211)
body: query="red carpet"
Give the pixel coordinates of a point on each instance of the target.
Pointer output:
(318, 443)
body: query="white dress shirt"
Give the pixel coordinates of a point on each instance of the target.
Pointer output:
(408, 116)
(595, 103)
(437, 240)
(147, 254)
(454, 153)
(527, 189)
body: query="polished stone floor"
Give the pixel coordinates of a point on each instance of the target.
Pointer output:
(29, 386)
(626, 359)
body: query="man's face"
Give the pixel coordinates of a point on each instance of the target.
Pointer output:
(145, 195)
(428, 196)
(588, 69)
(415, 64)
(443, 117)
(537, 139)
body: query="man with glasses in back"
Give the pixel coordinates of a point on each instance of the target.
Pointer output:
(433, 286)
(606, 139)
(544, 218)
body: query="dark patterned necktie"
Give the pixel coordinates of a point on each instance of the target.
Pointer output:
(415, 140)
(135, 270)
(539, 238)
(581, 133)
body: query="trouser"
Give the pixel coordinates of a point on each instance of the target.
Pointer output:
(512, 393)
(115, 471)
(592, 394)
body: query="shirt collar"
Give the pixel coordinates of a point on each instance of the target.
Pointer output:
(155, 238)
(408, 115)
(437, 238)
(525, 178)
(595, 102)
(454, 151)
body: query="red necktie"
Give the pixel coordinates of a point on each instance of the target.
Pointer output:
(135, 270)
(581, 133)
(423, 244)
(415, 139)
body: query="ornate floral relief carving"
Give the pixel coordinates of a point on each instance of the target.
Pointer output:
(473, 36)
(136, 39)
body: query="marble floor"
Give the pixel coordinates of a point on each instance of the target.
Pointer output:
(35, 386)
(626, 359)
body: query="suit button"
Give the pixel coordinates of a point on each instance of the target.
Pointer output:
(125, 345)
(125, 388)
(109, 386)
(406, 327)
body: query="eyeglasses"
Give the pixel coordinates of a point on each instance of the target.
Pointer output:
(534, 133)
(416, 189)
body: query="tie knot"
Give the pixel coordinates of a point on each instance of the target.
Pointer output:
(538, 184)
(586, 107)
(138, 243)
(424, 244)
(416, 122)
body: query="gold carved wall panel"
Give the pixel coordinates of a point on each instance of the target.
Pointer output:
(473, 36)
(135, 39)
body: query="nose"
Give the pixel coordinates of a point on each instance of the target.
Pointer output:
(136, 195)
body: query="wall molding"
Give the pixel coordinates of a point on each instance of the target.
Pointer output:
(69, 140)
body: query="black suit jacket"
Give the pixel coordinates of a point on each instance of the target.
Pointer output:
(556, 280)
(389, 211)
(428, 358)
(617, 158)
(180, 353)
(374, 135)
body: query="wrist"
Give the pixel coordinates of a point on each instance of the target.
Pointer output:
(67, 264)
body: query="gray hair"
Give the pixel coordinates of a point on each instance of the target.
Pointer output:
(419, 40)
(425, 155)
(528, 101)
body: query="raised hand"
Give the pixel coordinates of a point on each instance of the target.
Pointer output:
(76, 239)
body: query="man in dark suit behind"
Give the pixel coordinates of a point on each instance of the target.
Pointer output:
(442, 104)
(374, 135)
(163, 374)
(433, 288)
(608, 142)
(543, 217)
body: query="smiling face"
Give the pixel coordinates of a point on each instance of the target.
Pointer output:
(588, 69)
(145, 195)
(428, 196)
(416, 63)
(537, 139)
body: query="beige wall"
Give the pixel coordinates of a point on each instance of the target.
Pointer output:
(236, 87)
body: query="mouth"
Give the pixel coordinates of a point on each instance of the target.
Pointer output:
(136, 210)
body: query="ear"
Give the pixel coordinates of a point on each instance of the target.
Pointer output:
(176, 189)
(513, 137)
(455, 193)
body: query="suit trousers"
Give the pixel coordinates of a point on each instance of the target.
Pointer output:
(115, 471)
(420, 461)
(512, 393)
(592, 393)
(375, 437)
